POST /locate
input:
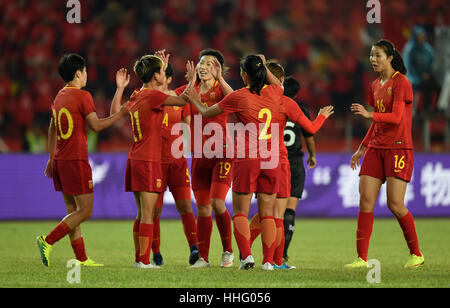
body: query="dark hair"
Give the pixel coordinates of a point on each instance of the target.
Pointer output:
(397, 60)
(275, 68)
(215, 53)
(69, 65)
(169, 70)
(147, 66)
(291, 87)
(256, 70)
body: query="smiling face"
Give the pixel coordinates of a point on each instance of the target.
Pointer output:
(204, 67)
(379, 59)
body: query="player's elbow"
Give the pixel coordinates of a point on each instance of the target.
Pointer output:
(95, 126)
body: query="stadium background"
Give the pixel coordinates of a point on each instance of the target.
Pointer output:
(325, 44)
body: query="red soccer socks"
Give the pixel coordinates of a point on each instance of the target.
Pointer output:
(409, 231)
(268, 238)
(145, 242)
(61, 230)
(204, 231)
(223, 222)
(279, 242)
(242, 234)
(78, 249)
(363, 233)
(190, 228)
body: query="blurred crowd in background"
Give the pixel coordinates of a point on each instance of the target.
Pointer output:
(325, 44)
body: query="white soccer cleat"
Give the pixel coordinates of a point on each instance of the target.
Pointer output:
(267, 267)
(248, 263)
(200, 263)
(227, 259)
(147, 266)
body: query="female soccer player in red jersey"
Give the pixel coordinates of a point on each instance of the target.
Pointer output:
(387, 149)
(211, 174)
(68, 163)
(289, 111)
(175, 174)
(143, 174)
(257, 104)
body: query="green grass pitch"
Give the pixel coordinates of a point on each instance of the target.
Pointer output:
(319, 250)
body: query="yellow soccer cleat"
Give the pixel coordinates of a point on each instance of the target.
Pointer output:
(44, 249)
(89, 263)
(358, 263)
(415, 261)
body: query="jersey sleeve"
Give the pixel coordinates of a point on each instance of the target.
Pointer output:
(393, 117)
(230, 103)
(87, 104)
(157, 98)
(295, 114)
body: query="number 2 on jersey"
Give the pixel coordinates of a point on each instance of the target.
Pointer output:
(263, 135)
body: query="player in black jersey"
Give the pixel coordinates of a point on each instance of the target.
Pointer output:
(293, 142)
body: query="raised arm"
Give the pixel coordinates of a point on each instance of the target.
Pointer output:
(217, 73)
(295, 114)
(122, 80)
(271, 79)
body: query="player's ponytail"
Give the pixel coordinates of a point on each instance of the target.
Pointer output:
(397, 60)
(256, 70)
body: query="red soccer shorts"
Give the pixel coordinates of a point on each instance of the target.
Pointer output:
(206, 171)
(143, 176)
(72, 177)
(175, 175)
(383, 163)
(284, 190)
(248, 177)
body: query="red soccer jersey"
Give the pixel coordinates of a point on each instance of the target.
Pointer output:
(392, 117)
(70, 108)
(146, 113)
(210, 98)
(258, 113)
(172, 115)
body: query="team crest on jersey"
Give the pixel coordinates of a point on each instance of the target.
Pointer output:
(389, 90)
(91, 184)
(212, 96)
(158, 183)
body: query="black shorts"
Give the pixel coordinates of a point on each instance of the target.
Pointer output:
(297, 177)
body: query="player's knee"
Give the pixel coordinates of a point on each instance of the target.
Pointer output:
(86, 213)
(366, 203)
(204, 210)
(218, 206)
(184, 206)
(397, 207)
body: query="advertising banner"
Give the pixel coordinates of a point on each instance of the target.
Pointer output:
(331, 189)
